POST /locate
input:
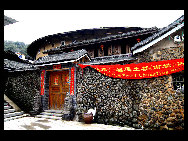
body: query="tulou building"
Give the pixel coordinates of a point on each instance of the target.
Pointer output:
(131, 75)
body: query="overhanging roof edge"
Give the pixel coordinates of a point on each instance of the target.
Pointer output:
(157, 40)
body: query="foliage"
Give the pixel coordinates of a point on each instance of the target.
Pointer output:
(16, 46)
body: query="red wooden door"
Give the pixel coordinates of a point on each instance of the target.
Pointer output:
(57, 89)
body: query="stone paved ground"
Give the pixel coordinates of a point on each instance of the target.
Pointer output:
(32, 123)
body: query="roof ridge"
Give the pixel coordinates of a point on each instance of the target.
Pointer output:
(159, 33)
(110, 37)
(62, 56)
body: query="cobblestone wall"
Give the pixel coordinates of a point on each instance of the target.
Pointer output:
(161, 106)
(147, 103)
(23, 88)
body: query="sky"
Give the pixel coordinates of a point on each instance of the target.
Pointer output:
(34, 24)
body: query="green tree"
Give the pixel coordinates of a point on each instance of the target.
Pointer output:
(16, 47)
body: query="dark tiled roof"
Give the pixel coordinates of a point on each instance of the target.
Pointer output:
(79, 35)
(11, 65)
(159, 33)
(8, 20)
(104, 39)
(12, 56)
(61, 57)
(111, 59)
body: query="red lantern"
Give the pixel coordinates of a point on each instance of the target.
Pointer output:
(138, 40)
(102, 46)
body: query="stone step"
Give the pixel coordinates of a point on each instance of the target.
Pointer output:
(5, 103)
(15, 117)
(52, 114)
(12, 118)
(7, 107)
(8, 115)
(49, 117)
(11, 114)
(6, 111)
(11, 110)
(19, 113)
(53, 111)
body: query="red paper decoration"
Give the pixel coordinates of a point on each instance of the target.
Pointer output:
(42, 82)
(72, 82)
(56, 79)
(141, 70)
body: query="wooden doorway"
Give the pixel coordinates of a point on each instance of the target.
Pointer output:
(58, 87)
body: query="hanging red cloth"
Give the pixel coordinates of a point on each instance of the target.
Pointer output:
(140, 70)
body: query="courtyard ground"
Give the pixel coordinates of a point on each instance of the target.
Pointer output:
(33, 123)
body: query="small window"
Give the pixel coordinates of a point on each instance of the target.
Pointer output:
(62, 43)
(128, 49)
(95, 53)
(178, 80)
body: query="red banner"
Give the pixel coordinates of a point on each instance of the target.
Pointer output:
(42, 82)
(72, 82)
(141, 70)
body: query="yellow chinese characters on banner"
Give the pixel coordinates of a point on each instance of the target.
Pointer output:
(140, 70)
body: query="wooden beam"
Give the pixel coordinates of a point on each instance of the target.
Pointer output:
(59, 69)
